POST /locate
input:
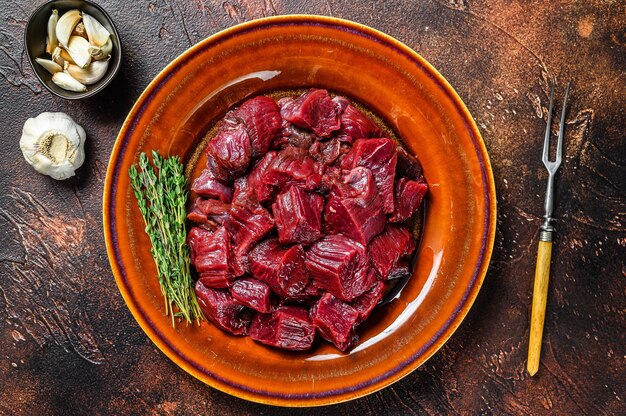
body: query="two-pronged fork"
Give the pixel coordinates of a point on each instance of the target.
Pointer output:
(544, 252)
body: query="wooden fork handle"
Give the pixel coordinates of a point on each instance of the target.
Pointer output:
(540, 295)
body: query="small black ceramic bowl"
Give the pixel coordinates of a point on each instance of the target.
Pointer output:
(35, 41)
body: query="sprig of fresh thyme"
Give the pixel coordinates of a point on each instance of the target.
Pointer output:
(161, 195)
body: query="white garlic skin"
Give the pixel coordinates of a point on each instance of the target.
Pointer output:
(53, 144)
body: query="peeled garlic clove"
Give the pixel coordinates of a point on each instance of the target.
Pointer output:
(79, 30)
(53, 144)
(65, 26)
(51, 41)
(97, 34)
(56, 56)
(90, 75)
(67, 82)
(78, 48)
(101, 52)
(66, 56)
(61, 57)
(49, 65)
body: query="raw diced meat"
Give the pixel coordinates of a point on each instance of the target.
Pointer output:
(207, 185)
(231, 149)
(313, 110)
(408, 165)
(339, 266)
(288, 327)
(330, 179)
(386, 250)
(366, 303)
(409, 196)
(328, 151)
(263, 191)
(243, 194)
(222, 310)
(280, 267)
(355, 208)
(210, 254)
(261, 117)
(247, 224)
(335, 320)
(293, 166)
(294, 136)
(400, 270)
(290, 164)
(203, 210)
(380, 157)
(308, 296)
(252, 293)
(298, 216)
(354, 124)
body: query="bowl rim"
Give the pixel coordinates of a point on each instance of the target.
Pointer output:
(376, 383)
(117, 62)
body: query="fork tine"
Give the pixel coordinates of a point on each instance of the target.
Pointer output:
(546, 140)
(559, 144)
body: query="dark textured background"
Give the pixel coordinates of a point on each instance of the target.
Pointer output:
(68, 344)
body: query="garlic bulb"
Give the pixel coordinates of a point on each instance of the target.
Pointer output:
(53, 144)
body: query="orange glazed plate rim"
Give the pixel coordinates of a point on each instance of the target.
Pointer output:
(256, 394)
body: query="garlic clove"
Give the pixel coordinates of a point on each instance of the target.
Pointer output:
(56, 56)
(67, 82)
(66, 56)
(65, 26)
(78, 48)
(97, 34)
(90, 75)
(51, 40)
(101, 52)
(79, 30)
(49, 65)
(53, 144)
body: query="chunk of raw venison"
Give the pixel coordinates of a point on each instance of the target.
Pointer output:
(252, 293)
(261, 118)
(388, 247)
(231, 149)
(298, 216)
(354, 207)
(354, 124)
(339, 265)
(282, 268)
(366, 303)
(210, 254)
(409, 196)
(288, 327)
(222, 310)
(293, 166)
(335, 321)
(380, 157)
(207, 185)
(313, 110)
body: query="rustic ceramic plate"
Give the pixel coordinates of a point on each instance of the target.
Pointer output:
(186, 99)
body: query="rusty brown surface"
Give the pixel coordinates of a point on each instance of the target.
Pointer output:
(69, 345)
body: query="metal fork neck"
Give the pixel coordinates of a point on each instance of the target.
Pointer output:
(546, 230)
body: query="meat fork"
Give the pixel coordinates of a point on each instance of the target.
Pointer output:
(544, 251)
